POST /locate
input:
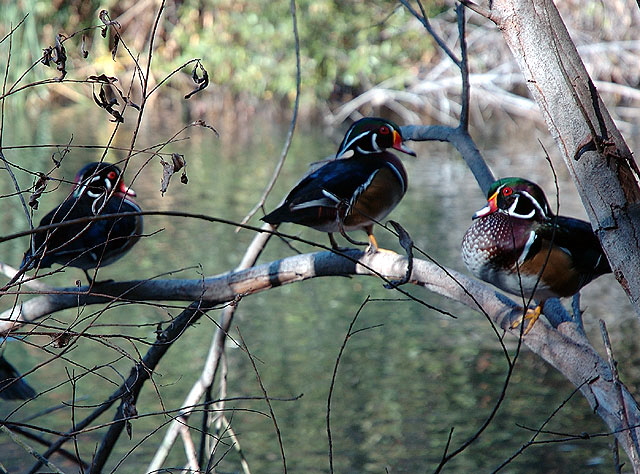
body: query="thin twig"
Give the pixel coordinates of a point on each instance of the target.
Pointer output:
(539, 430)
(334, 376)
(292, 124)
(427, 25)
(266, 399)
(41, 459)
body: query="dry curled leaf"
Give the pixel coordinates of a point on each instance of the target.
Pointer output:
(38, 189)
(83, 49)
(104, 17)
(103, 79)
(111, 81)
(57, 55)
(116, 42)
(201, 81)
(176, 164)
(61, 339)
(129, 410)
(407, 244)
(107, 21)
(108, 101)
(126, 100)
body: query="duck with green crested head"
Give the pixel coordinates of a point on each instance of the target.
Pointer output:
(360, 187)
(518, 245)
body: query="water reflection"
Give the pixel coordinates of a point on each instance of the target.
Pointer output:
(404, 382)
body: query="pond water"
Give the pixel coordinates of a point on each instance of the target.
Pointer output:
(404, 383)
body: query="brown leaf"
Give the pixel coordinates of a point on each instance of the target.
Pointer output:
(61, 56)
(107, 101)
(129, 410)
(103, 79)
(39, 188)
(170, 168)
(83, 49)
(57, 55)
(126, 99)
(407, 244)
(178, 162)
(104, 17)
(61, 339)
(111, 81)
(201, 81)
(107, 21)
(47, 54)
(116, 42)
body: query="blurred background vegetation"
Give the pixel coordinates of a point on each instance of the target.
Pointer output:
(374, 52)
(247, 46)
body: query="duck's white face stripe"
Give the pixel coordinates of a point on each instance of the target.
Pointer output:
(525, 195)
(512, 210)
(86, 187)
(93, 194)
(354, 139)
(544, 211)
(374, 143)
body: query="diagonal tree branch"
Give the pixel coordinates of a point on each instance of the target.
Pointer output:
(563, 346)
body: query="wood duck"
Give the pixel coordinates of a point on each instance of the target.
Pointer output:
(359, 187)
(98, 190)
(520, 246)
(12, 386)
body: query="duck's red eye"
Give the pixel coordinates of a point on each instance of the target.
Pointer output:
(507, 191)
(384, 130)
(112, 175)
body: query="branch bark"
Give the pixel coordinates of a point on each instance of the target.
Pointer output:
(565, 347)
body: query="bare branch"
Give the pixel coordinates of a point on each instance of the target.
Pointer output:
(561, 346)
(292, 125)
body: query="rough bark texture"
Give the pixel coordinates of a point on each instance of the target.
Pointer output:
(593, 149)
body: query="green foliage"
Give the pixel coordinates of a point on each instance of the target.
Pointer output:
(345, 45)
(248, 45)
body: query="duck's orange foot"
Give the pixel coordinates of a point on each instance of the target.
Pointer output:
(532, 315)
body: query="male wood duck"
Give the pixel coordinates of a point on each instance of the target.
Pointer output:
(359, 187)
(12, 387)
(520, 246)
(98, 190)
